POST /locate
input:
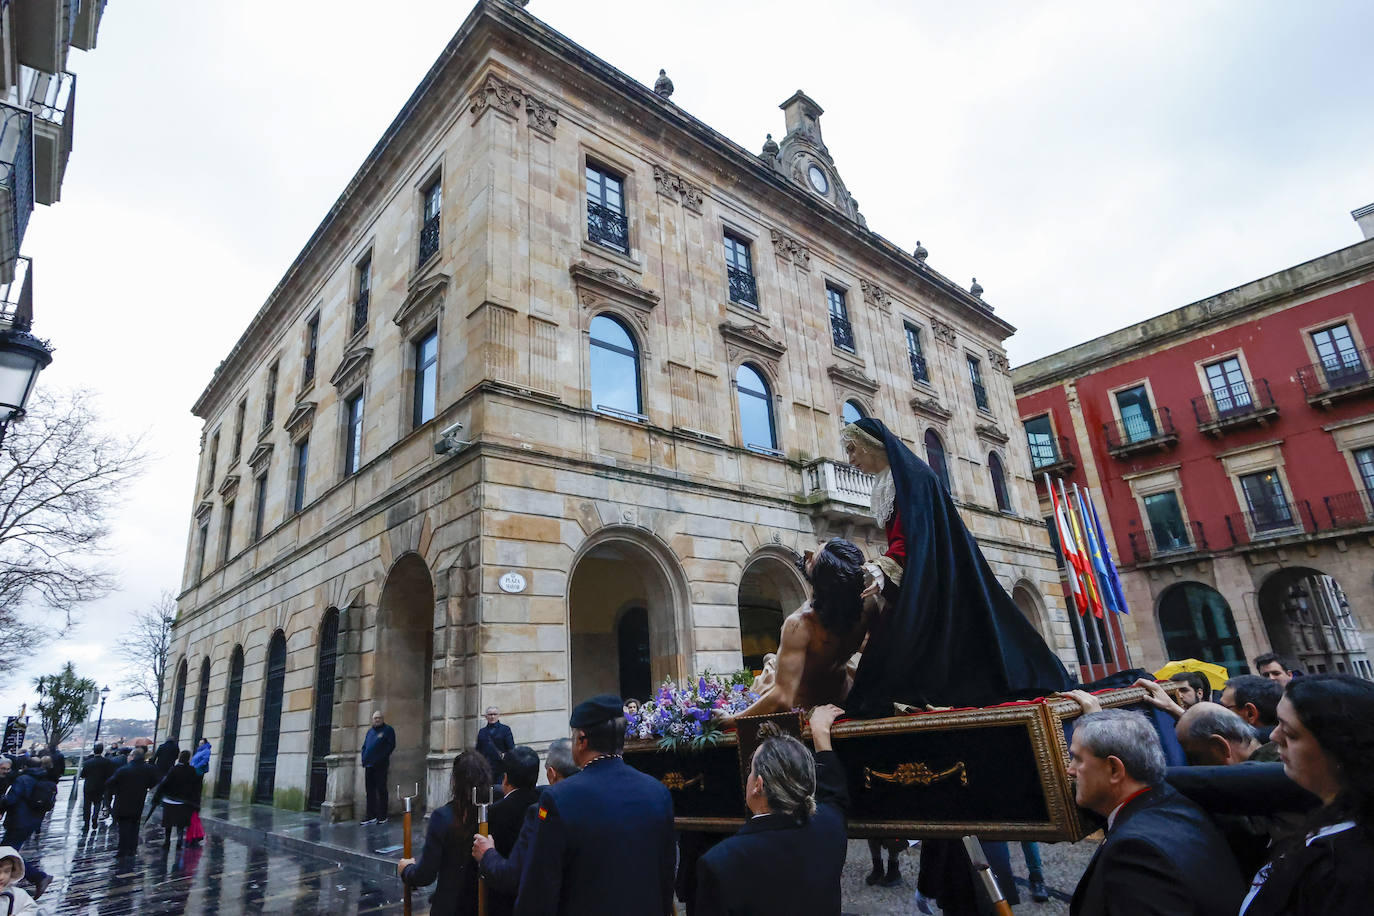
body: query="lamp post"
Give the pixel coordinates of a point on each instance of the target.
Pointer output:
(104, 692)
(22, 357)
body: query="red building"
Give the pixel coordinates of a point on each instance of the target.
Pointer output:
(1230, 444)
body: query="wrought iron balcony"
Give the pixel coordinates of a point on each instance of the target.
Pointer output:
(1272, 521)
(1238, 404)
(16, 183)
(842, 333)
(1147, 544)
(838, 490)
(429, 239)
(360, 310)
(608, 227)
(980, 396)
(52, 98)
(1141, 433)
(309, 374)
(1342, 375)
(743, 287)
(1053, 457)
(919, 370)
(16, 296)
(1349, 510)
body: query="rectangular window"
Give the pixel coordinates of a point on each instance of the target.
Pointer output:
(975, 376)
(360, 304)
(353, 434)
(1040, 438)
(1340, 360)
(606, 222)
(226, 533)
(1226, 383)
(259, 505)
(214, 461)
(269, 407)
(1054, 541)
(841, 331)
(1166, 522)
(1265, 501)
(202, 539)
(739, 268)
(1137, 418)
(429, 227)
(1364, 461)
(426, 377)
(239, 420)
(302, 466)
(917, 358)
(312, 348)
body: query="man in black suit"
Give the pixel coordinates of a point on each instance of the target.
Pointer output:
(95, 772)
(507, 815)
(494, 741)
(605, 838)
(1162, 855)
(129, 785)
(166, 756)
(788, 857)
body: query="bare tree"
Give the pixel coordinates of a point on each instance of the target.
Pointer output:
(144, 648)
(60, 477)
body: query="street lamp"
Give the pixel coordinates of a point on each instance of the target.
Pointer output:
(104, 692)
(22, 357)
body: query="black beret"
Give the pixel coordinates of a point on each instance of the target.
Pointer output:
(598, 709)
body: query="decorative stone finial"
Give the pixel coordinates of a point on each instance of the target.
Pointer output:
(663, 86)
(976, 289)
(770, 148)
(920, 253)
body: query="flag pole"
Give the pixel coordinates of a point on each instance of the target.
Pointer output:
(1110, 562)
(1076, 625)
(1091, 627)
(1113, 635)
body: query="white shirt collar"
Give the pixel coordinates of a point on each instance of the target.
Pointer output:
(1330, 829)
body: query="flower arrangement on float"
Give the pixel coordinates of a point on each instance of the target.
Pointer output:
(686, 716)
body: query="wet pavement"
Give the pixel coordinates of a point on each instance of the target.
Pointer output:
(231, 873)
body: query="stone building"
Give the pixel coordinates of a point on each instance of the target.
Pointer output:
(544, 408)
(1232, 444)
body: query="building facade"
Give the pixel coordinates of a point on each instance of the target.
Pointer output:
(546, 407)
(37, 124)
(1231, 443)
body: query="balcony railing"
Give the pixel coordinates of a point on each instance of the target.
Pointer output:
(838, 489)
(1343, 374)
(1052, 455)
(1238, 404)
(608, 227)
(429, 238)
(360, 310)
(52, 98)
(1271, 521)
(1148, 544)
(309, 375)
(919, 371)
(16, 296)
(842, 332)
(744, 288)
(980, 396)
(16, 183)
(1142, 432)
(50, 95)
(1349, 510)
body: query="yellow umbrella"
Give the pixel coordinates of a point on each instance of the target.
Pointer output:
(1216, 675)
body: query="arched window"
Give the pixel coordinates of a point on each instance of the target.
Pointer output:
(852, 412)
(1196, 622)
(632, 643)
(755, 409)
(229, 739)
(935, 457)
(202, 696)
(615, 367)
(324, 708)
(178, 701)
(271, 719)
(999, 482)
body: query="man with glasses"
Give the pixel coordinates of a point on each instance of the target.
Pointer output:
(494, 741)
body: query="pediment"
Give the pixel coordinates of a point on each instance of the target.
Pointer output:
(852, 378)
(930, 407)
(748, 338)
(612, 284)
(302, 417)
(351, 368)
(203, 510)
(992, 433)
(422, 304)
(229, 487)
(260, 456)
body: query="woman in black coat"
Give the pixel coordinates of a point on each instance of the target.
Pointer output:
(179, 793)
(448, 842)
(1326, 742)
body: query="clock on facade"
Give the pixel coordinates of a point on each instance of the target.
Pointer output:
(818, 179)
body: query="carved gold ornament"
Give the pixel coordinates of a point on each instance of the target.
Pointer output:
(676, 782)
(915, 774)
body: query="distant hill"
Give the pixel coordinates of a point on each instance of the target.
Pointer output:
(110, 730)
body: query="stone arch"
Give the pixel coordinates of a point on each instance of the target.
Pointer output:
(770, 588)
(1031, 603)
(178, 701)
(403, 665)
(202, 699)
(229, 724)
(322, 723)
(1196, 622)
(1307, 618)
(613, 570)
(269, 722)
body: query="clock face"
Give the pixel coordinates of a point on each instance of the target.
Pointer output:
(818, 180)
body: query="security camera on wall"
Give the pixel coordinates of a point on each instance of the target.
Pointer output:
(448, 441)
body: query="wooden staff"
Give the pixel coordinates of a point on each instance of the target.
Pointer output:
(484, 829)
(982, 875)
(405, 844)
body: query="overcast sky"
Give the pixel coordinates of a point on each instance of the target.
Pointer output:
(1092, 164)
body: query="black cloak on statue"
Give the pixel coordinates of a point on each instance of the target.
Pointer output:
(954, 637)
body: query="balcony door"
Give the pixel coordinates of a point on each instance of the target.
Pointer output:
(1230, 392)
(1137, 418)
(1166, 522)
(1339, 357)
(1266, 502)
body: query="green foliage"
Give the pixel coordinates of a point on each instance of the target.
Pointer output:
(65, 701)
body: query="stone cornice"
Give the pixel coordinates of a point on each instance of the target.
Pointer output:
(930, 407)
(260, 455)
(300, 420)
(747, 338)
(229, 487)
(850, 377)
(675, 187)
(612, 284)
(423, 302)
(351, 368)
(992, 433)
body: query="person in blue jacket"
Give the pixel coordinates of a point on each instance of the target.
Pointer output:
(200, 760)
(27, 801)
(378, 744)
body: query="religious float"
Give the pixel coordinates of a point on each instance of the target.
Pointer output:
(999, 772)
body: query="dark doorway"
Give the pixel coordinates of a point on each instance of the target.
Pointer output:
(404, 661)
(636, 660)
(324, 708)
(178, 701)
(1196, 622)
(202, 697)
(223, 783)
(271, 719)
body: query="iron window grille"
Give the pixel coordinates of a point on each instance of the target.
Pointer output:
(919, 370)
(606, 221)
(429, 229)
(739, 270)
(841, 331)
